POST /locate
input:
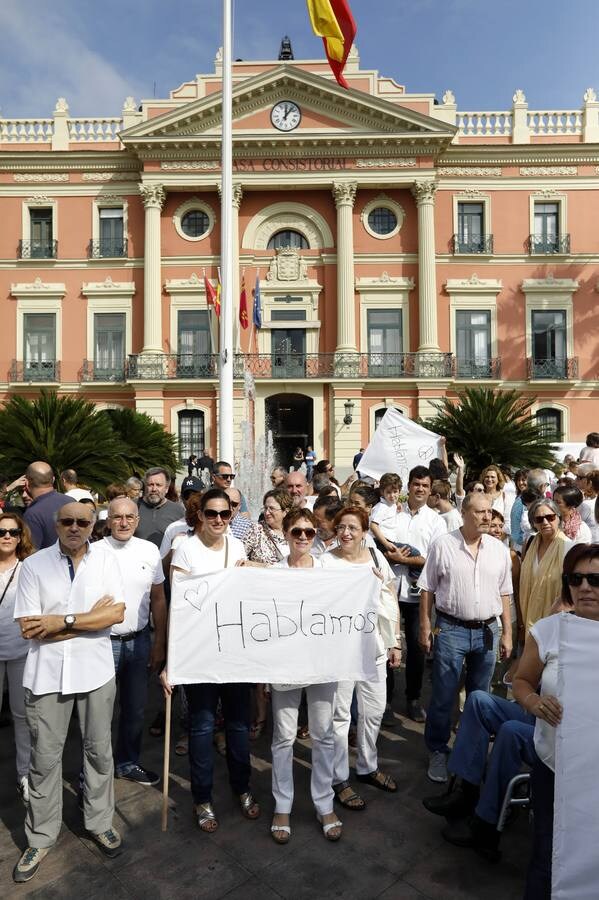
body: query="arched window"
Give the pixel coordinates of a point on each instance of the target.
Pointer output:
(191, 433)
(288, 238)
(378, 416)
(550, 423)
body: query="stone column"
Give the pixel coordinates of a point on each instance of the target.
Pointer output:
(424, 192)
(153, 200)
(344, 193)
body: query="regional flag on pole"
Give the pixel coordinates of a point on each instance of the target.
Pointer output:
(211, 296)
(243, 305)
(217, 296)
(333, 22)
(257, 314)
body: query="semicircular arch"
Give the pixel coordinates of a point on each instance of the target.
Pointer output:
(287, 216)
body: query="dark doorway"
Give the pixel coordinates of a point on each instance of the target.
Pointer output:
(290, 418)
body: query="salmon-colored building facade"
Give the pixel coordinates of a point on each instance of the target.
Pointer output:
(404, 249)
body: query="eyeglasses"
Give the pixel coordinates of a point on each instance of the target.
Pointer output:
(14, 532)
(299, 532)
(224, 514)
(81, 523)
(234, 505)
(229, 475)
(128, 517)
(479, 490)
(549, 517)
(353, 529)
(575, 579)
(272, 509)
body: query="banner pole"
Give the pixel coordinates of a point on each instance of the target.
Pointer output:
(165, 768)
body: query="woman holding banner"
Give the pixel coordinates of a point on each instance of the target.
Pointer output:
(210, 549)
(351, 527)
(300, 526)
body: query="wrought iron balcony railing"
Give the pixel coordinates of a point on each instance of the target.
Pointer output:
(107, 249)
(38, 249)
(94, 371)
(477, 368)
(539, 246)
(166, 366)
(482, 243)
(34, 371)
(557, 368)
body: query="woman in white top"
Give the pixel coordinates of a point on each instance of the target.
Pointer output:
(494, 483)
(15, 546)
(539, 665)
(351, 526)
(210, 549)
(300, 530)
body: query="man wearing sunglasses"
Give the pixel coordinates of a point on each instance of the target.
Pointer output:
(223, 477)
(69, 596)
(40, 514)
(239, 525)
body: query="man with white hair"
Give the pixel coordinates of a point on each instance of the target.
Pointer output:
(297, 485)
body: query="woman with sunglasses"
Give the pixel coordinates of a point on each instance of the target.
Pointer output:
(542, 561)
(210, 549)
(300, 530)
(15, 546)
(351, 527)
(539, 666)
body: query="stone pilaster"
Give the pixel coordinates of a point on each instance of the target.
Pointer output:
(424, 193)
(344, 194)
(153, 199)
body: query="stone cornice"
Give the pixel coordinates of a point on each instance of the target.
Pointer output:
(473, 285)
(528, 154)
(108, 288)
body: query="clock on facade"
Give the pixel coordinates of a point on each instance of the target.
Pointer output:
(285, 115)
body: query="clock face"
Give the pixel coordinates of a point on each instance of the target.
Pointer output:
(285, 115)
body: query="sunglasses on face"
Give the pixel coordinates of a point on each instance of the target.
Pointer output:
(224, 514)
(14, 532)
(575, 579)
(299, 532)
(81, 523)
(229, 475)
(234, 505)
(549, 517)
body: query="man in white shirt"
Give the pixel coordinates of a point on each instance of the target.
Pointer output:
(440, 502)
(418, 526)
(297, 486)
(468, 574)
(69, 596)
(140, 567)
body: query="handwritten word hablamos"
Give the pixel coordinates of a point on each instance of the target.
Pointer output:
(260, 626)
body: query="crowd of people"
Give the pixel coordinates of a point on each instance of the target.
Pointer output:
(472, 576)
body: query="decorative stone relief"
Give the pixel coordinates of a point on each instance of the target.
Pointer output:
(287, 265)
(590, 95)
(475, 171)
(344, 192)
(129, 105)
(237, 195)
(385, 163)
(288, 221)
(449, 98)
(110, 176)
(61, 106)
(473, 285)
(424, 191)
(39, 199)
(471, 193)
(152, 195)
(39, 177)
(37, 287)
(549, 170)
(108, 286)
(519, 97)
(191, 166)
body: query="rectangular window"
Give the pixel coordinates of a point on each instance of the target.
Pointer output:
(109, 346)
(39, 350)
(549, 343)
(194, 358)
(40, 234)
(111, 242)
(191, 433)
(471, 228)
(288, 352)
(473, 343)
(546, 234)
(385, 342)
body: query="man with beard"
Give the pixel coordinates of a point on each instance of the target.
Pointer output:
(155, 511)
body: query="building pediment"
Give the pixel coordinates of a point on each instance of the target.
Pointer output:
(329, 112)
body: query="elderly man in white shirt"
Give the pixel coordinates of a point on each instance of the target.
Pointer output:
(468, 574)
(69, 596)
(298, 487)
(418, 526)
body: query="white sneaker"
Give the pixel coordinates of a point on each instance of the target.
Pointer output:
(437, 767)
(23, 788)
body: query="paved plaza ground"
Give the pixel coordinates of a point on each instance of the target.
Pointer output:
(392, 850)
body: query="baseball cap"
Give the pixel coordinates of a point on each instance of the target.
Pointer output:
(191, 485)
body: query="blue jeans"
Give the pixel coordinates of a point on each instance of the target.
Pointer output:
(131, 668)
(486, 714)
(455, 646)
(203, 700)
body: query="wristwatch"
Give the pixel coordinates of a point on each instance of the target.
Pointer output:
(69, 621)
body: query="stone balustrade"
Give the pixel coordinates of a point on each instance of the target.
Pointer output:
(26, 131)
(94, 130)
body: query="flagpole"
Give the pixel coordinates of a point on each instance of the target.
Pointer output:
(225, 379)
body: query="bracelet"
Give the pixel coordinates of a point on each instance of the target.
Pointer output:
(532, 694)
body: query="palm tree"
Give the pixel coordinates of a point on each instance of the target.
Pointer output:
(66, 432)
(145, 441)
(487, 427)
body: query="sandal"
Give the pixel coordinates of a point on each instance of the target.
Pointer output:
(280, 833)
(249, 806)
(378, 780)
(327, 828)
(220, 742)
(182, 745)
(352, 800)
(206, 816)
(256, 729)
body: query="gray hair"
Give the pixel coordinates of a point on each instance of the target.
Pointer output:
(536, 479)
(470, 498)
(536, 505)
(134, 482)
(157, 470)
(58, 512)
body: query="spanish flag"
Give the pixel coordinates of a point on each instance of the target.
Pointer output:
(243, 305)
(219, 288)
(333, 22)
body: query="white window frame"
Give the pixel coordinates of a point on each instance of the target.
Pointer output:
(187, 294)
(385, 293)
(467, 197)
(38, 297)
(385, 404)
(549, 197)
(188, 406)
(473, 294)
(386, 202)
(194, 203)
(308, 293)
(40, 201)
(108, 297)
(109, 202)
(543, 403)
(550, 294)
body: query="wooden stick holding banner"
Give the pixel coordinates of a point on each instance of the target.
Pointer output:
(167, 759)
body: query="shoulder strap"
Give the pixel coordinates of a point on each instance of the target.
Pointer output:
(374, 559)
(226, 552)
(8, 583)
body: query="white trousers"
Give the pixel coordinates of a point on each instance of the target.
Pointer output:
(371, 697)
(13, 669)
(285, 706)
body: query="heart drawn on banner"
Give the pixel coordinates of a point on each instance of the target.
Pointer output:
(196, 597)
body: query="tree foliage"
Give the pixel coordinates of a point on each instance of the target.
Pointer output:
(69, 432)
(492, 427)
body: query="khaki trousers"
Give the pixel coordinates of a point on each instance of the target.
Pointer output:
(48, 717)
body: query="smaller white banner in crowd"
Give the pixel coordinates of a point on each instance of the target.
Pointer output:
(283, 626)
(575, 869)
(397, 446)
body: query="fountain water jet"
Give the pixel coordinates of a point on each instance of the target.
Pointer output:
(256, 456)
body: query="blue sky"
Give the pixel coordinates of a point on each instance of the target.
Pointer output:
(95, 54)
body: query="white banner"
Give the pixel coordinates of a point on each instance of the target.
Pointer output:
(283, 626)
(397, 446)
(575, 872)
